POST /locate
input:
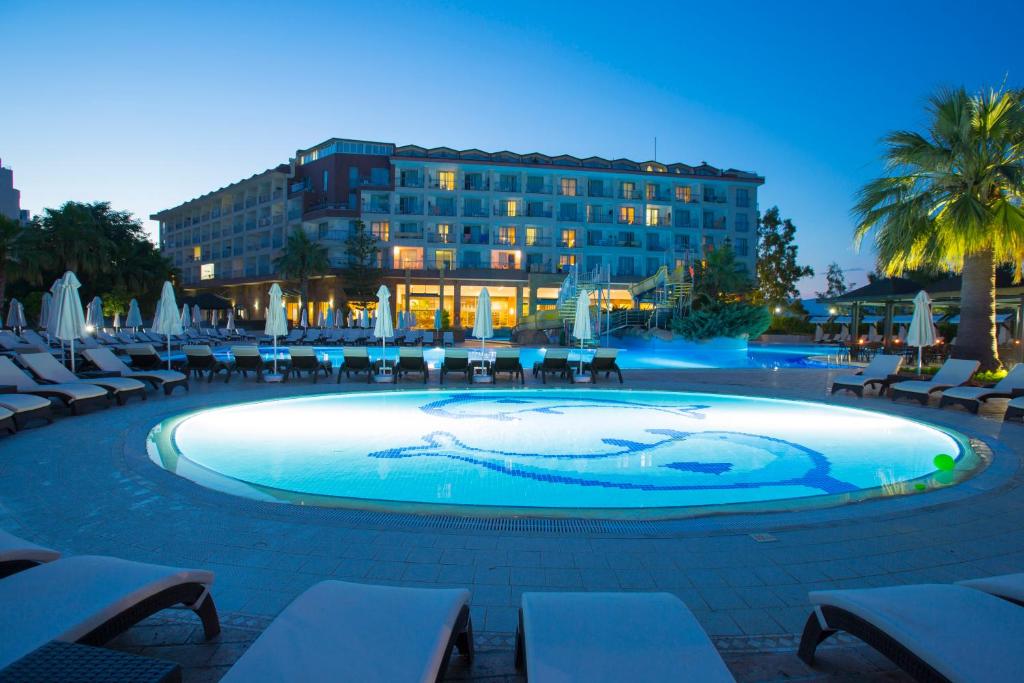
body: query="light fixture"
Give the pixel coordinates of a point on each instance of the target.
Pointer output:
(90, 328)
(831, 311)
(778, 309)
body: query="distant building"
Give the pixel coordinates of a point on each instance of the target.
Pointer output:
(10, 198)
(514, 223)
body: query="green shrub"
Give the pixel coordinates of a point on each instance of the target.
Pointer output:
(789, 325)
(723, 320)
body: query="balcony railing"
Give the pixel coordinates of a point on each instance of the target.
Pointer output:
(595, 191)
(508, 211)
(377, 208)
(507, 187)
(476, 185)
(662, 196)
(440, 238)
(536, 212)
(410, 182)
(327, 206)
(629, 194)
(434, 210)
(408, 264)
(409, 234)
(504, 265)
(476, 239)
(238, 206)
(568, 244)
(599, 217)
(627, 220)
(571, 216)
(475, 211)
(334, 235)
(570, 191)
(539, 241)
(657, 246)
(277, 218)
(436, 184)
(264, 222)
(264, 198)
(505, 240)
(250, 202)
(250, 225)
(277, 194)
(538, 189)
(692, 198)
(716, 224)
(409, 209)
(715, 198)
(660, 220)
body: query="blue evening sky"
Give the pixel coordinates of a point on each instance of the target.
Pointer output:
(149, 104)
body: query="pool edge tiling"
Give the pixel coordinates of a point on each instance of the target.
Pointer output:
(503, 477)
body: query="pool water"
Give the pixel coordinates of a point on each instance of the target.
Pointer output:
(530, 450)
(754, 356)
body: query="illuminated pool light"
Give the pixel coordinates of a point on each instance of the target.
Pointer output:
(566, 452)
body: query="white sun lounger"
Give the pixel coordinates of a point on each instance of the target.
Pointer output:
(17, 554)
(74, 396)
(49, 369)
(105, 360)
(953, 373)
(595, 637)
(338, 631)
(90, 599)
(26, 408)
(876, 372)
(934, 632)
(1007, 586)
(972, 397)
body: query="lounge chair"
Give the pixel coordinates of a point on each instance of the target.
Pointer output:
(636, 637)
(507, 361)
(603, 361)
(75, 396)
(49, 369)
(913, 626)
(145, 357)
(971, 397)
(427, 339)
(10, 342)
(357, 360)
(447, 339)
(105, 360)
(313, 336)
(90, 599)
(26, 407)
(412, 338)
(7, 423)
(248, 359)
(304, 358)
(1015, 409)
(1007, 586)
(339, 631)
(411, 360)
(953, 373)
(555, 360)
(293, 337)
(18, 555)
(33, 338)
(456, 360)
(201, 359)
(876, 372)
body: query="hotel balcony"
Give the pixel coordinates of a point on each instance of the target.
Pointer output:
(506, 187)
(440, 238)
(476, 239)
(538, 241)
(660, 221)
(713, 198)
(409, 210)
(505, 240)
(508, 211)
(660, 196)
(657, 246)
(538, 189)
(476, 185)
(594, 191)
(434, 210)
(569, 244)
(570, 191)
(692, 198)
(479, 212)
(628, 220)
(599, 217)
(535, 212)
(410, 182)
(250, 202)
(435, 184)
(716, 224)
(377, 208)
(629, 194)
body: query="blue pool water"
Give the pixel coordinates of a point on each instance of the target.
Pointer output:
(530, 449)
(663, 357)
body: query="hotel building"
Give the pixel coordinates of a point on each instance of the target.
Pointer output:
(461, 219)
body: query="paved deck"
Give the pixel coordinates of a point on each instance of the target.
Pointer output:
(84, 485)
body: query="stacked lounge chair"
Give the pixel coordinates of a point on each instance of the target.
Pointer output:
(75, 396)
(47, 368)
(105, 360)
(636, 637)
(971, 398)
(876, 372)
(953, 373)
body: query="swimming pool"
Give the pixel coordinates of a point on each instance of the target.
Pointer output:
(561, 452)
(686, 357)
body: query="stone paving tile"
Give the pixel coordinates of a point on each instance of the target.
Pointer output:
(114, 501)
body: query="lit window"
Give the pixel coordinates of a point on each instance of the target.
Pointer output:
(653, 215)
(507, 235)
(444, 259)
(443, 230)
(567, 260)
(628, 190)
(510, 208)
(532, 236)
(652, 191)
(381, 230)
(684, 193)
(569, 239)
(197, 253)
(446, 180)
(206, 271)
(627, 214)
(569, 187)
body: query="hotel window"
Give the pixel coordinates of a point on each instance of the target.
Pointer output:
(653, 215)
(568, 239)
(532, 236)
(742, 224)
(742, 197)
(741, 246)
(325, 181)
(627, 214)
(506, 234)
(566, 261)
(443, 233)
(510, 208)
(629, 190)
(381, 230)
(569, 187)
(446, 180)
(684, 193)
(197, 253)
(444, 259)
(652, 190)
(535, 183)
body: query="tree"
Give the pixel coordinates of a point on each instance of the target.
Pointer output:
(17, 257)
(362, 273)
(718, 277)
(301, 260)
(777, 268)
(835, 281)
(951, 197)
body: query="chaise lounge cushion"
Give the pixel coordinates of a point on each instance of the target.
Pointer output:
(952, 373)
(338, 631)
(1007, 586)
(632, 637)
(13, 549)
(67, 599)
(963, 634)
(22, 403)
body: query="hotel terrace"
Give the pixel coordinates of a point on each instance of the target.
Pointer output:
(461, 220)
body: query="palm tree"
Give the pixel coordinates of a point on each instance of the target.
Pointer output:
(951, 198)
(301, 260)
(16, 255)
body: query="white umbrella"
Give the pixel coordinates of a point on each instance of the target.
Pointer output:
(364, 318)
(437, 319)
(186, 316)
(230, 325)
(51, 321)
(902, 335)
(922, 330)
(16, 315)
(276, 325)
(70, 318)
(44, 310)
(134, 319)
(483, 327)
(1003, 337)
(94, 315)
(166, 321)
(382, 328)
(819, 333)
(844, 334)
(197, 315)
(117, 320)
(319, 318)
(329, 318)
(581, 328)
